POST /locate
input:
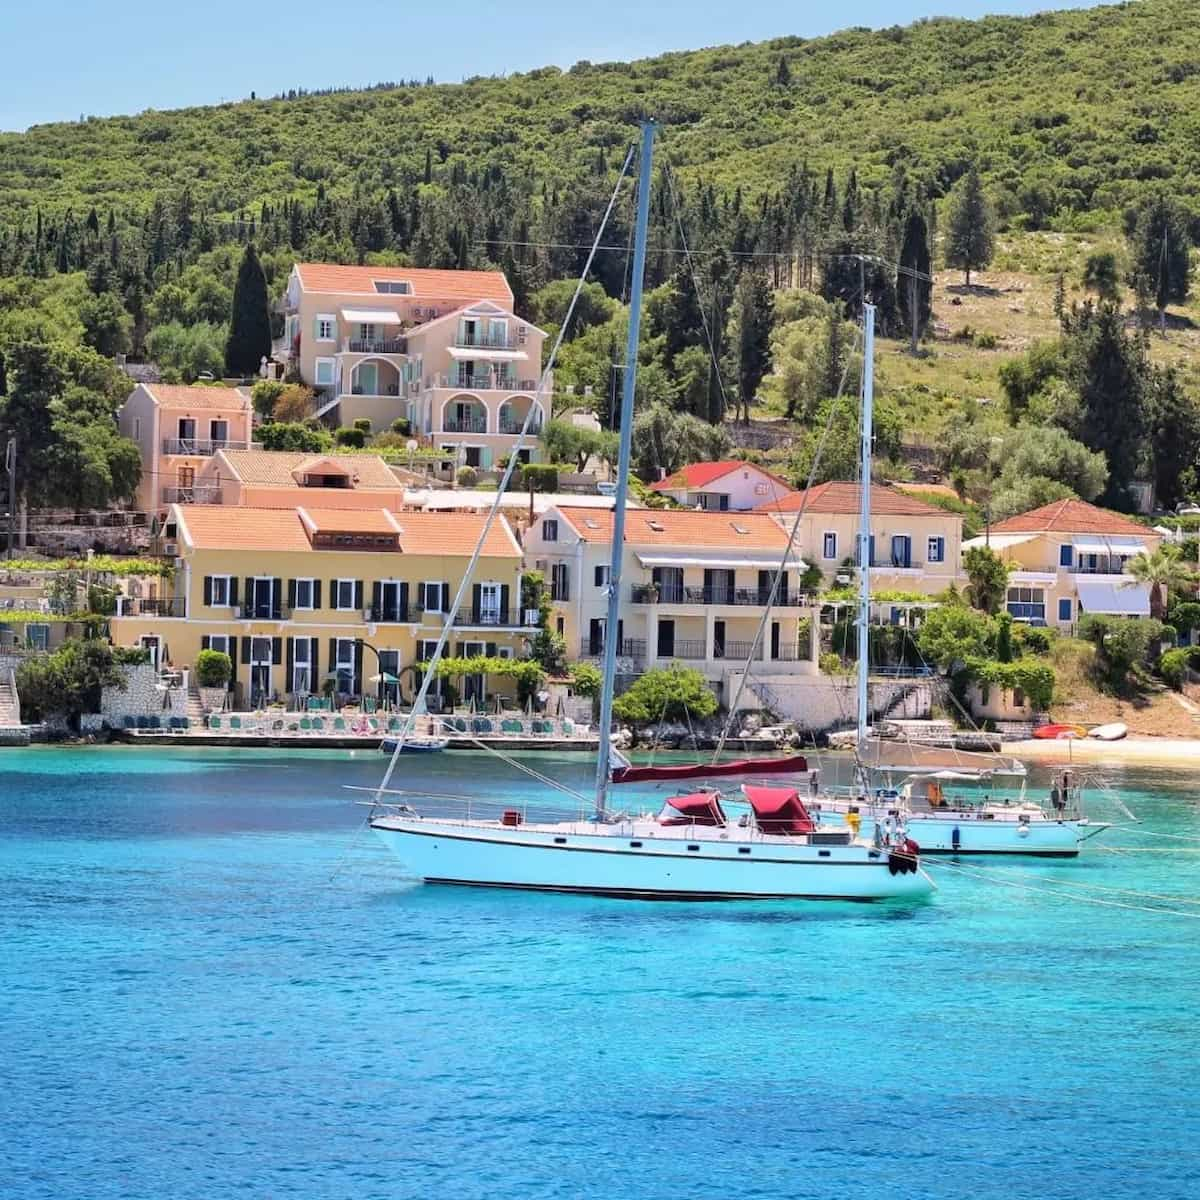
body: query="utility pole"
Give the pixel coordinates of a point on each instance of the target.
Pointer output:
(10, 468)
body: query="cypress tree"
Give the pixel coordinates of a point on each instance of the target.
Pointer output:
(1159, 248)
(970, 233)
(914, 294)
(250, 326)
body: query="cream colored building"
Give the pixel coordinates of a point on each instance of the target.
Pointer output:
(298, 595)
(177, 430)
(694, 586)
(443, 349)
(287, 479)
(727, 486)
(914, 546)
(1068, 558)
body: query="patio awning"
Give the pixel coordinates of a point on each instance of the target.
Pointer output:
(371, 316)
(716, 560)
(486, 352)
(1099, 544)
(1099, 595)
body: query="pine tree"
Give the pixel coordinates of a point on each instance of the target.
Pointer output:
(783, 73)
(250, 327)
(753, 309)
(970, 228)
(914, 288)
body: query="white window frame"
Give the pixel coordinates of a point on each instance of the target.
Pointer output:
(337, 604)
(605, 574)
(226, 603)
(220, 637)
(306, 665)
(312, 595)
(825, 536)
(548, 524)
(322, 319)
(332, 365)
(935, 549)
(137, 429)
(436, 584)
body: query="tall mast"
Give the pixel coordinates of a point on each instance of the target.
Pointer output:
(864, 524)
(612, 625)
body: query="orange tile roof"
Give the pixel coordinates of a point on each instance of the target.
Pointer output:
(1072, 516)
(214, 527)
(178, 396)
(426, 284)
(681, 527)
(697, 475)
(276, 468)
(846, 498)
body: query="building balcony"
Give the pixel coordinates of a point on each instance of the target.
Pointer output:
(493, 618)
(374, 346)
(388, 391)
(634, 648)
(206, 447)
(389, 614)
(486, 382)
(138, 606)
(255, 611)
(513, 428)
(468, 425)
(479, 340)
(191, 495)
(751, 597)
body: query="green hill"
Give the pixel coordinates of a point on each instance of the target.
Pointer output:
(1066, 113)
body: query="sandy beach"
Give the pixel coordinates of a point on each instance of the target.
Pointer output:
(1145, 751)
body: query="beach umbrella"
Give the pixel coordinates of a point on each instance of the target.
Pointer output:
(383, 677)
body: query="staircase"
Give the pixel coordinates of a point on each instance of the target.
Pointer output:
(195, 709)
(10, 707)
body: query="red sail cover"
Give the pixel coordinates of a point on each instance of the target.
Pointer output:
(740, 766)
(698, 808)
(778, 810)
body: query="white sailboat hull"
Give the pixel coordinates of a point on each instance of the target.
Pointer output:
(639, 860)
(969, 833)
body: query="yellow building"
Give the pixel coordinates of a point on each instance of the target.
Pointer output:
(299, 596)
(1068, 558)
(287, 479)
(914, 546)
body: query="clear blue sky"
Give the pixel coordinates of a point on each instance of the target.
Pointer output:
(61, 60)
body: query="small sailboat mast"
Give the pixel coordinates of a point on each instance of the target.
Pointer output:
(628, 390)
(864, 533)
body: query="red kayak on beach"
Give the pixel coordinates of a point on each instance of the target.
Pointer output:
(1057, 732)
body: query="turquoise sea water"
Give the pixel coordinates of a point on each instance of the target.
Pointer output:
(214, 985)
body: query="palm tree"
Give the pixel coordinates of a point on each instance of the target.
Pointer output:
(1165, 571)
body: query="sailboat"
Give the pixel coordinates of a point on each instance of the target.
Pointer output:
(693, 849)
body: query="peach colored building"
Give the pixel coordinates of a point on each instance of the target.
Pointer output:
(442, 349)
(178, 429)
(728, 486)
(286, 479)
(914, 546)
(1068, 558)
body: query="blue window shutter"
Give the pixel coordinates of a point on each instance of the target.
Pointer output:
(1066, 555)
(1064, 609)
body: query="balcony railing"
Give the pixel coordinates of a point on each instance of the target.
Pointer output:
(485, 341)
(138, 606)
(375, 346)
(634, 648)
(469, 425)
(498, 617)
(507, 425)
(690, 649)
(649, 593)
(204, 447)
(253, 610)
(391, 389)
(385, 614)
(484, 382)
(191, 495)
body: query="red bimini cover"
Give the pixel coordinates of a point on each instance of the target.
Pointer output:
(741, 766)
(698, 808)
(778, 810)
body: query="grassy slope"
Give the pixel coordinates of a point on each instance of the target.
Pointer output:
(1088, 102)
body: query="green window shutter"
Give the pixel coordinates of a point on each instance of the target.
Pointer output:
(485, 458)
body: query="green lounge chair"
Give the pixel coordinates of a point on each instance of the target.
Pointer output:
(318, 724)
(214, 723)
(339, 724)
(235, 723)
(305, 724)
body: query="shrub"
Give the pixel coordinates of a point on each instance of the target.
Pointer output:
(402, 426)
(352, 437)
(68, 682)
(277, 435)
(213, 668)
(264, 395)
(831, 664)
(986, 341)
(586, 679)
(363, 423)
(1034, 677)
(667, 693)
(294, 403)
(466, 477)
(539, 477)
(1123, 644)
(1173, 667)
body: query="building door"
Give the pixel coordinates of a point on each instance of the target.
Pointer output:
(367, 383)
(666, 639)
(344, 664)
(187, 481)
(718, 587)
(218, 432)
(468, 333)
(774, 639)
(670, 584)
(473, 456)
(389, 664)
(718, 646)
(489, 604)
(187, 431)
(262, 601)
(391, 601)
(901, 551)
(474, 687)
(302, 672)
(153, 646)
(260, 670)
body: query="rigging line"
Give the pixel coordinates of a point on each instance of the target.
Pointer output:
(781, 572)
(542, 779)
(1140, 832)
(502, 487)
(985, 877)
(708, 337)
